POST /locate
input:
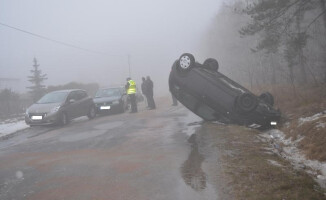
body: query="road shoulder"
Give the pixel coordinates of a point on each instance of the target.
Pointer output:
(251, 169)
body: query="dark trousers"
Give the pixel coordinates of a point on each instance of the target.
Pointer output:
(133, 102)
(151, 102)
(146, 96)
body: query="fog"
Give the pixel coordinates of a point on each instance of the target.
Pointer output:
(104, 33)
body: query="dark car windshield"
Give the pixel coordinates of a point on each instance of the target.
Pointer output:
(110, 92)
(53, 97)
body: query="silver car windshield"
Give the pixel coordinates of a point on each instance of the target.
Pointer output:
(53, 97)
(110, 92)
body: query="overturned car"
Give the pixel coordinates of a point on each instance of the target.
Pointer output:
(214, 97)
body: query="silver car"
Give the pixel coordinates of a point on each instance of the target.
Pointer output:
(59, 107)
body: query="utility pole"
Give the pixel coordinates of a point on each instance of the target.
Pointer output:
(129, 65)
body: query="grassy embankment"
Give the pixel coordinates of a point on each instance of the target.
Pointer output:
(304, 101)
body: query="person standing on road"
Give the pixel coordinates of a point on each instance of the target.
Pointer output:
(131, 91)
(144, 90)
(150, 98)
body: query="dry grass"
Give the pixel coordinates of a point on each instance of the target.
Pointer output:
(304, 101)
(249, 171)
(301, 101)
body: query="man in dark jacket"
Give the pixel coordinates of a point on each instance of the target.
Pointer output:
(150, 94)
(144, 90)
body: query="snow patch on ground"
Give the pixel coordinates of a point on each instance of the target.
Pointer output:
(317, 116)
(275, 163)
(287, 148)
(321, 125)
(12, 127)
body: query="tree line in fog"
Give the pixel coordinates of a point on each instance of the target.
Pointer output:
(270, 42)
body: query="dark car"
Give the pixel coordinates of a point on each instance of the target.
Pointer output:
(111, 99)
(213, 96)
(59, 107)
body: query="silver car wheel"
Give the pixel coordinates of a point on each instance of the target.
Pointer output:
(185, 62)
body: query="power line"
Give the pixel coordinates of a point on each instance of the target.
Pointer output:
(56, 41)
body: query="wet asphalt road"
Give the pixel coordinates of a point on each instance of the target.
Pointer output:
(151, 155)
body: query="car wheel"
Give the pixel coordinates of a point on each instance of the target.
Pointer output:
(211, 64)
(267, 98)
(186, 62)
(63, 119)
(246, 102)
(91, 113)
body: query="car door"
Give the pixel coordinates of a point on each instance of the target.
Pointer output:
(83, 102)
(71, 105)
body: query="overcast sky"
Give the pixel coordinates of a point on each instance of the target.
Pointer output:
(153, 32)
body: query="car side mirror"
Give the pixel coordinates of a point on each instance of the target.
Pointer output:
(71, 100)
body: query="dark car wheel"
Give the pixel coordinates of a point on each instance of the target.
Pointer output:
(91, 113)
(63, 119)
(186, 62)
(267, 97)
(211, 64)
(246, 102)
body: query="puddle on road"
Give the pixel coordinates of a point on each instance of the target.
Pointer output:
(192, 173)
(191, 170)
(109, 125)
(81, 136)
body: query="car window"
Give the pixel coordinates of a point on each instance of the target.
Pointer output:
(110, 92)
(188, 100)
(53, 97)
(80, 95)
(207, 112)
(198, 107)
(73, 95)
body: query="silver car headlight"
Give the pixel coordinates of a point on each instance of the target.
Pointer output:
(55, 109)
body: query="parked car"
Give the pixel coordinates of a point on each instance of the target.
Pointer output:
(111, 99)
(59, 107)
(213, 96)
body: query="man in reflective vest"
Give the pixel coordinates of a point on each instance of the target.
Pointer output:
(131, 91)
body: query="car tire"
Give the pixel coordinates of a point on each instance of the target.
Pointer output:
(267, 98)
(211, 64)
(246, 102)
(186, 62)
(91, 113)
(63, 120)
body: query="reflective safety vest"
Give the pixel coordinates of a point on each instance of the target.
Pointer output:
(132, 87)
